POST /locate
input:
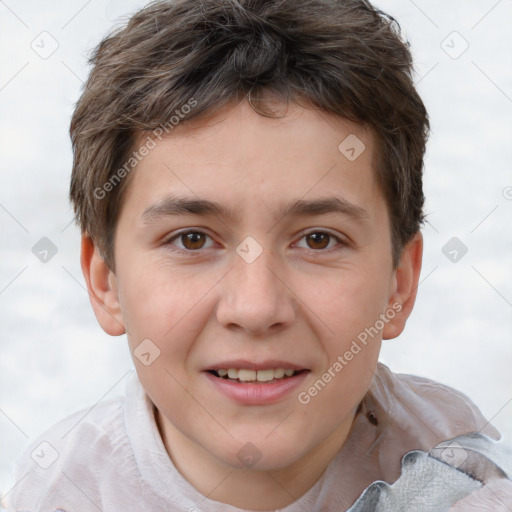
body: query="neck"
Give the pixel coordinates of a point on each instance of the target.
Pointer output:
(246, 488)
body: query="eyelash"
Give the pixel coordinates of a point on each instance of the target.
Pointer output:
(197, 252)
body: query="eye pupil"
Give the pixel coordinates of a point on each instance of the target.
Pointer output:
(322, 239)
(193, 241)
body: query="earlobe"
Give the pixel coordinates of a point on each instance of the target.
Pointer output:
(102, 288)
(403, 297)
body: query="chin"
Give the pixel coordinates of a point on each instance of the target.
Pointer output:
(260, 453)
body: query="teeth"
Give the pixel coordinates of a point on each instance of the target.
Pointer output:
(245, 375)
(233, 374)
(265, 375)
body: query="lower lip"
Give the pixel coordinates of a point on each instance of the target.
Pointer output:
(263, 393)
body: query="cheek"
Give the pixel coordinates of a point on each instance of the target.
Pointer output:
(157, 300)
(348, 305)
(344, 381)
(168, 312)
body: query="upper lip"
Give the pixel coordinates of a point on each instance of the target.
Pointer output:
(252, 365)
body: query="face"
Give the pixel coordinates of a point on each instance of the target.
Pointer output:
(259, 248)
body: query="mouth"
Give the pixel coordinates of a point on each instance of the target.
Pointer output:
(250, 376)
(250, 383)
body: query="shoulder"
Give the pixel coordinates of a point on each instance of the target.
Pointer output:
(428, 406)
(424, 484)
(469, 473)
(71, 461)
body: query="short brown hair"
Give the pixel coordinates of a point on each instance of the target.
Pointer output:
(344, 57)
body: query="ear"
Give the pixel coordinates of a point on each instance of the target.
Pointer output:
(405, 286)
(102, 288)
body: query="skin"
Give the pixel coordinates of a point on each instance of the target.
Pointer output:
(300, 301)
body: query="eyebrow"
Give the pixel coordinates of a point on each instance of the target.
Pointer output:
(178, 206)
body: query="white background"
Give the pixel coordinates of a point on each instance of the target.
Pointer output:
(54, 357)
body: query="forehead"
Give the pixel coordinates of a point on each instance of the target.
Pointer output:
(246, 159)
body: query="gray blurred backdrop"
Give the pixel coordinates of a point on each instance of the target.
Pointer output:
(55, 359)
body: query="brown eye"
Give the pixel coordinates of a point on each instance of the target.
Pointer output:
(188, 241)
(318, 240)
(321, 242)
(193, 240)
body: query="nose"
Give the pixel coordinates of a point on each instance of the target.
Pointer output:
(255, 297)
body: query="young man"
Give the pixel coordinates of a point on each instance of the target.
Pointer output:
(248, 181)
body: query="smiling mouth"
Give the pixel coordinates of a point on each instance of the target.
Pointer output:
(246, 376)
